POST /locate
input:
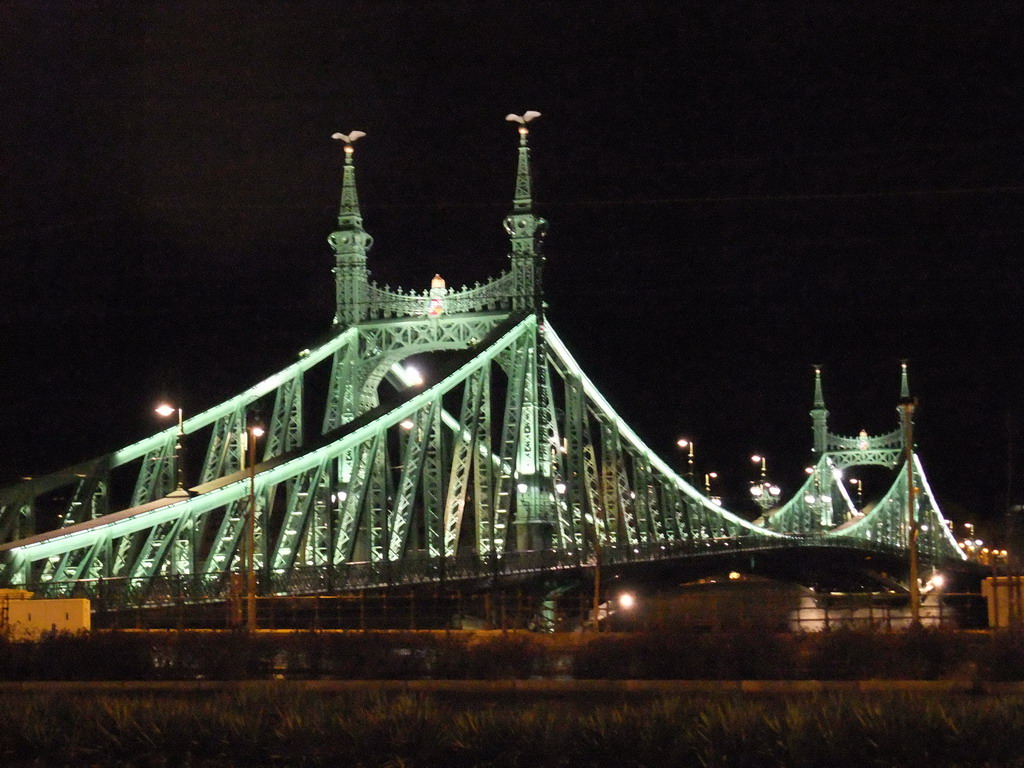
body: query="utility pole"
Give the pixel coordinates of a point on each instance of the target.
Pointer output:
(907, 406)
(250, 532)
(598, 526)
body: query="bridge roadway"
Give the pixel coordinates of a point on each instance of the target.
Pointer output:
(826, 563)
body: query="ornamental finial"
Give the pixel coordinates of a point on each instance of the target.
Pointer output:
(904, 382)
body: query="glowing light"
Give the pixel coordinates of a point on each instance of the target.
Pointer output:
(258, 431)
(413, 377)
(734, 575)
(522, 487)
(809, 470)
(407, 424)
(165, 409)
(626, 601)
(560, 488)
(938, 581)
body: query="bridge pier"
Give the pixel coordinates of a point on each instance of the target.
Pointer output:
(534, 536)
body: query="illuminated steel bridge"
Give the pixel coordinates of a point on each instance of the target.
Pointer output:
(508, 463)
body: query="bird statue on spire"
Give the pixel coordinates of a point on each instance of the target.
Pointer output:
(348, 138)
(523, 119)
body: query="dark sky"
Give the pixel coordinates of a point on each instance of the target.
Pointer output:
(735, 191)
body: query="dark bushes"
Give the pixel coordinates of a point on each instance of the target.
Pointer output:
(747, 654)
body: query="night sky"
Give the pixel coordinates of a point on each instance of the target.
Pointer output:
(735, 192)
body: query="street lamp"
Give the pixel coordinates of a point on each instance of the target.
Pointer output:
(413, 377)
(165, 410)
(708, 477)
(856, 481)
(818, 498)
(253, 431)
(687, 445)
(764, 492)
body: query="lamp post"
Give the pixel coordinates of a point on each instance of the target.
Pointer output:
(708, 477)
(686, 444)
(856, 481)
(818, 498)
(764, 492)
(252, 432)
(179, 492)
(907, 407)
(165, 410)
(598, 530)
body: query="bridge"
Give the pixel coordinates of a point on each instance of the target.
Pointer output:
(508, 463)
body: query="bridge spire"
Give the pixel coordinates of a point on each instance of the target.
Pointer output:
(819, 414)
(904, 413)
(904, 383)
(525, 229)
(351, 244)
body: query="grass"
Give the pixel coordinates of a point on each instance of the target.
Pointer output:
(271, 727)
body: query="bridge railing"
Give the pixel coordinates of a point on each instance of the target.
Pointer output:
(131, 593)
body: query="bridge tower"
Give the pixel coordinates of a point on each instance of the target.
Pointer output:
(819, 415)
(526, 231)
(351, 243)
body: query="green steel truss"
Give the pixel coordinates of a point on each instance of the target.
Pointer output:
(506, 460)
(822, 507)
(444, 474)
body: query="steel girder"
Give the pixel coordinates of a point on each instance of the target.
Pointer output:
(888, 522)
(361, 505)
(819, 505)
(397, 484)
(822, 507)
(517, 441)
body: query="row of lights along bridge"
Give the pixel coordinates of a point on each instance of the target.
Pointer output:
(764, 492)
